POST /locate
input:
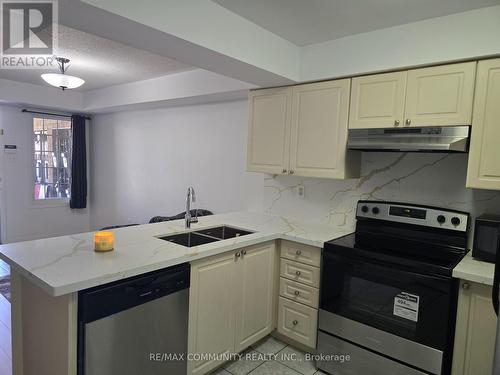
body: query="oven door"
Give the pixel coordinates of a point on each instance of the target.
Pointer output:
(410, 305)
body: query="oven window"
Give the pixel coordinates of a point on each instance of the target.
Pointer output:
(406, 304)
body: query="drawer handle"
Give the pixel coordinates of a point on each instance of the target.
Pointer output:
(298, 252)
(465, 286)
(296, 292)
(295, 322)
(297, 273)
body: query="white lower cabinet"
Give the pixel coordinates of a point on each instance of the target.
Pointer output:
(230, 304)
(254, 295)
(298, 322)
(299, 293)
(475, 331)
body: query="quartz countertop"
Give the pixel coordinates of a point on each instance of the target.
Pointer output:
(67, 264)
(474, 270)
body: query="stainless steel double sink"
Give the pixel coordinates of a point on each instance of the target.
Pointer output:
(204, 236)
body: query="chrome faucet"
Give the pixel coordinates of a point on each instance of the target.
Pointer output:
(188, 218)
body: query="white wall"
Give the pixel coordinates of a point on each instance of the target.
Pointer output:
(455, 37)
(143, 161)
(23, 218)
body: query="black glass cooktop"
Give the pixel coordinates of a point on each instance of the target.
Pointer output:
(419, 256)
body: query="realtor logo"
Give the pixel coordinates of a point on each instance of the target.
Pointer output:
(29, 33)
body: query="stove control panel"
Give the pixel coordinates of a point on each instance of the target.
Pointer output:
(413, 214)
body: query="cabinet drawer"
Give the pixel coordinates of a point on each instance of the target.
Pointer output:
(298, 292)
(302, 273)
(301, 253)
(297, 322)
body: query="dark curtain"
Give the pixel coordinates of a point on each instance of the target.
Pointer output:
(78, 164)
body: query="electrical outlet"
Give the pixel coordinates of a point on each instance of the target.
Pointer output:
(301, 191)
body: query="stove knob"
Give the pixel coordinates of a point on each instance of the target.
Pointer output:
(441, 219)
(364, 209)
(375, 210)
(455, 221)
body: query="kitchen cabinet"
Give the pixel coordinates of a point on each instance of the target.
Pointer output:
(435, 96)
(378, 101)
(298, 322)
(211, 310)
(319, 131)
(302, 130)
(299, 293)
(254, 295)
(440, 95)
(231, 303)
(484, 157)
(269, 130)
(476, 329)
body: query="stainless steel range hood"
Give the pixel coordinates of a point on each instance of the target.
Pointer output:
(426, 139)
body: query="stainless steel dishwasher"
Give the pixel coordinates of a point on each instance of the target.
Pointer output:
(136, 326)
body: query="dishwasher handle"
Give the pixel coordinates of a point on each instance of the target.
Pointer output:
(102, 301)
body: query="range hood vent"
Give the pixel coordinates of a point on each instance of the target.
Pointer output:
(426, 139)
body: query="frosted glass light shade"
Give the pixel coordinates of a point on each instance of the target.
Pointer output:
(62, 81)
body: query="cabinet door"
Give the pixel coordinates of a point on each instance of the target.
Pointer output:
(440, 95)
(319, 129)
(377, 101)
(269, 130)
(297, 321)
(484, 155)
(475, 331)
(211, 310)
(254, 296)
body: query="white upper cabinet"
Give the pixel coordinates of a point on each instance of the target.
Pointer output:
(440, 95)
(436, 96)
(269, 130)
(378, 101)
(319, 130)
(301, 130)
(484, 157)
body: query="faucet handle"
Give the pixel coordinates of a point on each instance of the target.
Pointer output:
(195, 218)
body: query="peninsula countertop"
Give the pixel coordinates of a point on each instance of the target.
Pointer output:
(67, 264)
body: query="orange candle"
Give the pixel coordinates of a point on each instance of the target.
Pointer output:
(103, 241)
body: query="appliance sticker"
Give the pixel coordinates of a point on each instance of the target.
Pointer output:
(406, 306)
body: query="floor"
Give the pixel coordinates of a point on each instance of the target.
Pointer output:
(283, 360)
(5, 342)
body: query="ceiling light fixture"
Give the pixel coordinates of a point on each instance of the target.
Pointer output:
(62, 80)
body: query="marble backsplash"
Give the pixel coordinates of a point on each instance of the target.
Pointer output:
(431, 179)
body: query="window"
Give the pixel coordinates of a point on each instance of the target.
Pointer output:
(52, 142)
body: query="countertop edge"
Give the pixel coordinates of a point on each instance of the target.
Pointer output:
(55, 291)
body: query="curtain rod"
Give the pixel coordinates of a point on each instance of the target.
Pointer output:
(51, 114)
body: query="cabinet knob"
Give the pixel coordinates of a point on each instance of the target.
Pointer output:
(408, 122)
(284, 170)
(295, 322)
(237, 255)
(297, 273)
(298, 252)
(396, 122)
(244, 252)
(291, 172)
(296, 292)
(465, 286)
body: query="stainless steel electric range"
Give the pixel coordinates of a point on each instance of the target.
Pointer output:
(388, 299)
